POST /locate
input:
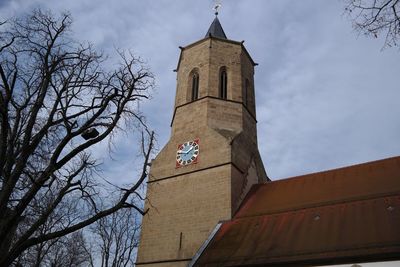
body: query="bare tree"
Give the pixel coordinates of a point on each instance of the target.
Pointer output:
(375, 17)
(56, 102)
(67, 251)
(117, 238)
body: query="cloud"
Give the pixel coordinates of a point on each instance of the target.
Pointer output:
(325, 97)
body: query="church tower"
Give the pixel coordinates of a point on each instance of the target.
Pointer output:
(210, 162)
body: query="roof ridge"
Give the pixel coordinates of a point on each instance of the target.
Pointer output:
(362, 164)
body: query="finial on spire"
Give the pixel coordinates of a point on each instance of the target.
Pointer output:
(217, 6)
(215, 29)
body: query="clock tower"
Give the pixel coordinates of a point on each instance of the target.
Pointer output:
(210, 162)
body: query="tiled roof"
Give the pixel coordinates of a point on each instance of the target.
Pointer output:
(336, 216)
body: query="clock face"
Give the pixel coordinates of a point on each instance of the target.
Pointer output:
(187, 153)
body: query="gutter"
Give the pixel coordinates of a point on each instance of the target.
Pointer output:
(205, 244)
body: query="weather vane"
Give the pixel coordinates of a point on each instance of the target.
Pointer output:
(217, 6)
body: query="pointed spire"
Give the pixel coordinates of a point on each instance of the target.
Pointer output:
(216, 30)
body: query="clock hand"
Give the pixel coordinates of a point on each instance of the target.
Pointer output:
(183, 152)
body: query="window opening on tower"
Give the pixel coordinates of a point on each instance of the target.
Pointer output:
(223, 81)
(246, 93)
(195, 86)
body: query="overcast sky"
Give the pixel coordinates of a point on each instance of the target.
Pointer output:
(326, 98)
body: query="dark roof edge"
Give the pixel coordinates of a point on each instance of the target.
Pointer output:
(205, 244)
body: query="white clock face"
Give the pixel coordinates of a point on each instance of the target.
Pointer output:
(187, 153)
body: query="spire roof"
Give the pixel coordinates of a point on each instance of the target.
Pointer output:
(216, 30)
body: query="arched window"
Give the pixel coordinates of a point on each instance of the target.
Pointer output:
(246, 93)
(195, 86)
(223, 81)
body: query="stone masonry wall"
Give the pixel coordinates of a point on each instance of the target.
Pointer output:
(186, 203)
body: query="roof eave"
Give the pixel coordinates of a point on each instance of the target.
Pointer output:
(210, 37)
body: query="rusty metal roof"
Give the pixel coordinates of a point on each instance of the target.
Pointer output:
(337, 216)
